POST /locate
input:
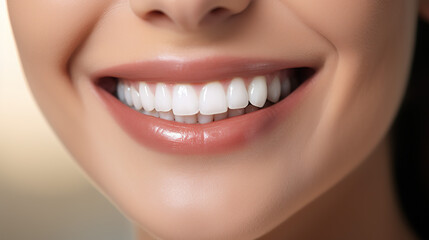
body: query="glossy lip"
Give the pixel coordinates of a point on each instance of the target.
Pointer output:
(178, 70)
(189, 139)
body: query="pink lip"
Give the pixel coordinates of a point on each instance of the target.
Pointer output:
(216, 137)
(198, 70)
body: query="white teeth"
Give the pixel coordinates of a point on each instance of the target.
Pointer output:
(162, 98)
(286, 87)
(258, 91)
(120, 90)
(203, 119)
(167, 115)
(146, 97)
(192, 119)
(221, 116)
(237, 96)
(212, 99)
(185, 100)
(127, 93)
(235, 112)
(183, 104)
(135, 95)
(274, 90)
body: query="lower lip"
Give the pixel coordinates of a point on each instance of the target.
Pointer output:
(212, 138)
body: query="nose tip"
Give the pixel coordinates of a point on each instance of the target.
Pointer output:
(187, 15)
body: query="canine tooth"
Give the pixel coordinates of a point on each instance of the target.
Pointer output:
(212, 99)
(205, 118)
(236, 95)
(167, 115)
(146, 97)
(120, 91)
(127, 93)
(162, 98)
(258, 91)
(190, 119)
(221, 116)
(235, 112)
(185, 100)
(135, 95)
(286, 86)
(250, 109)
(274, 90)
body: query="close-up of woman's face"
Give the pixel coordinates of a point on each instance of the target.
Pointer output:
(216, 119)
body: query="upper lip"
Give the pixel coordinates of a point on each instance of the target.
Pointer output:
(197, 70)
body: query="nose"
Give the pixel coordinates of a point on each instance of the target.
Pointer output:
(188, 15)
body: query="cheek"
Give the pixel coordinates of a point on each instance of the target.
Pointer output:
(363, 24)
(371, 63)
(47, 33)
(51, 30)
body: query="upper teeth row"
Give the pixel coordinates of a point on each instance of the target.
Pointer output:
(184, 100)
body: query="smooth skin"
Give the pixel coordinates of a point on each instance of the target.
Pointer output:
(323, 173)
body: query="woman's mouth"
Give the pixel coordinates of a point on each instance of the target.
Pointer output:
(224, 109)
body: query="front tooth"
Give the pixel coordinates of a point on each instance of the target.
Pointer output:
(127, 93)
(258, 91)
(162, 98)
(286, 86)
(146, 97)
(121, 91)
(185, 100)
(191, 119)
(221, 116)
(135, 95)
(167, 115)
(237, 96)
(235, 112)
(212, 99)
(205, 118)
(274, 90)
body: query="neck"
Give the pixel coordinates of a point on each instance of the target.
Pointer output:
(362, 206)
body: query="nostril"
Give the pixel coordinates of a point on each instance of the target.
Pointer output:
(156, 15)
(218, 11)
(215, 15)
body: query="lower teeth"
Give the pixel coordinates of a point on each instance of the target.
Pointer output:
(201, 118)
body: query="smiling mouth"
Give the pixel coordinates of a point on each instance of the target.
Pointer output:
(202, 107)
(203, 103)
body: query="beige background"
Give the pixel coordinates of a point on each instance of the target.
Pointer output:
(43, 194)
